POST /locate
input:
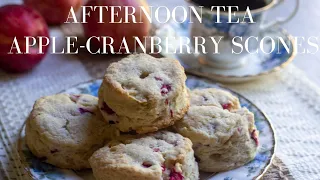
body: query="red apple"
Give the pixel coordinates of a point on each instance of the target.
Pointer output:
(116, 30)
(54, 11)
(20, 21)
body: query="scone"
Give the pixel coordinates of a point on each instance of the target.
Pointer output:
(214, 97)
(159, 156)
(222, 140)
(146, 93)
(65, 130)
(108, 114)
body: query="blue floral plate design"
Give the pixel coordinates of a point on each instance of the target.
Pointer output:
(253, 170)
(257, 65)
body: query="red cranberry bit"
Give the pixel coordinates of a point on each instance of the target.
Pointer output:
(226, 106)
(54, 151)
(254, 136)
(239, 130)
(158, 79)
(163, 167)
(167, 101)
(74, 98)
(175, 175)
(165, 89)
(82, 111)
(156, 150)
(107, 109)
(171, 113)
(146, 164)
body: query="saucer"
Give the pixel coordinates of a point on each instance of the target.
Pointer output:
(257, 65)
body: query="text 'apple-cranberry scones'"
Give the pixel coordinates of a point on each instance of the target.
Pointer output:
(65, 130)
(143, 93)
(159, 156)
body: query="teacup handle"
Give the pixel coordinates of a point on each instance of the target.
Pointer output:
(280, 21)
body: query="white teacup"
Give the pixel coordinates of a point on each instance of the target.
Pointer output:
(226, 59)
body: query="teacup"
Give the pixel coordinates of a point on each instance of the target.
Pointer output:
(209, 28)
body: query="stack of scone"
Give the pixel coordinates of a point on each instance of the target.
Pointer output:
(124, 133)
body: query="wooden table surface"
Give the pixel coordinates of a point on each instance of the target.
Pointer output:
(305, 24)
